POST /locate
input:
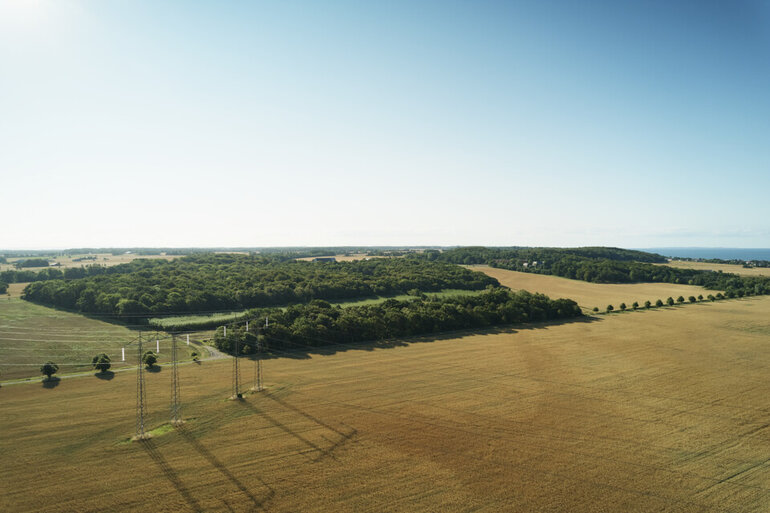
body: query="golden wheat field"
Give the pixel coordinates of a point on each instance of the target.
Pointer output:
(659, 410)
(590, 295)
(725, 268)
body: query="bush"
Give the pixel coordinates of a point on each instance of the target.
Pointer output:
(647, 304)
(610, 308)
(101, 362)
(691, 299)
(670, 301)
(635, 305)
(596, 309)
(49, 369)
(623, 306)
(660, 303)
(149, 358)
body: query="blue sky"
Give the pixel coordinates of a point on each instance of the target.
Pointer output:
(566, 123)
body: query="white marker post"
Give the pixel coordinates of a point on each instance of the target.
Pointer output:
(157, 345)
(247, 325)
(123, 354)
(267, 322)
(188, 339)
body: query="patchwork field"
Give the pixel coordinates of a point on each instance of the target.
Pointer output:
(725, 268)
(107, 259)
(660, 410)
(590, 295)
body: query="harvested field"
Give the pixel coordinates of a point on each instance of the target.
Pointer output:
(589, 295)
(661, 410)
(725, 268)
(344, 258)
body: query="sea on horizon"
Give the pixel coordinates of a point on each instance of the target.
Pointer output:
(707, 253)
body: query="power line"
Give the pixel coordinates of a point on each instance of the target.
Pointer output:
(141, 396)
(176, 416)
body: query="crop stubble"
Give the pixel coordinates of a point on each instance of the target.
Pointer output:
(662, 410)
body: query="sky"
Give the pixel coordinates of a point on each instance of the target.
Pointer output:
(290, 123)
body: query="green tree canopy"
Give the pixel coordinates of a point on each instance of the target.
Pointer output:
(49, 368)
(101, 362)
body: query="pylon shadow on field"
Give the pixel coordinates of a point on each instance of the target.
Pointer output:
(217, 464)
(322, 452)
(344, 437)
(51, 382)
(170, 474)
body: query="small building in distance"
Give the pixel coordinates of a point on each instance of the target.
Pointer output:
(324, 259)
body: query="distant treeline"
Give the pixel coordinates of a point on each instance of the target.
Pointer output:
(319, 324)
(214, 282)
(31, 262)
(602, 265)
(294, 251)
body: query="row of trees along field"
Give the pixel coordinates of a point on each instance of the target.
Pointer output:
(201, 283)
(602, 265)
(318, 323)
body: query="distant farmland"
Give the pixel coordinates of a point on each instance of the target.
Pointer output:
(661, 410)
(590, 295)
(725, 268)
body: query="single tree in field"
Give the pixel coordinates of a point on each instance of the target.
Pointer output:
(720, 296)
(691, 299)
(596, 309)
(700, 297)
(610, 308)
(195, 356)
(711, 297)
(635, 306)
(49, 369)
(680, 299)
(660, 303)
(149, 358)
(101, 362)
(670, 301)
(647, 304)
(623, 306)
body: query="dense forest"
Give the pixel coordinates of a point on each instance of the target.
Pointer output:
(602, 265)
(210, 282)
(318, 323)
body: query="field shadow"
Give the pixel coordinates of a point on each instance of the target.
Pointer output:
(106, 375)
(344, 437)
(217, 464)
(321, 452)
(170, 474)
(51, 382)
(154, 369)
